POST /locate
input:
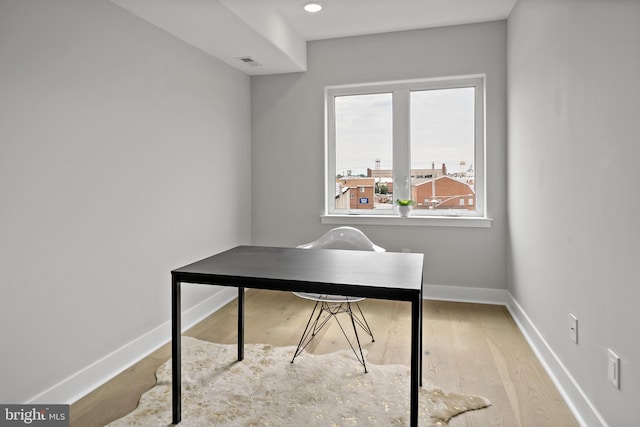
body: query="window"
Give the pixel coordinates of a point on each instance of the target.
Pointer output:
(421, 140)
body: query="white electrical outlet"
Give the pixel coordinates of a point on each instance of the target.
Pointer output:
(613, 368)
(573, 328)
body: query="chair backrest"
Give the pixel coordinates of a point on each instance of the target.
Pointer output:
(349, 238)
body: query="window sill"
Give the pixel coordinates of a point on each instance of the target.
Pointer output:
(422, 221)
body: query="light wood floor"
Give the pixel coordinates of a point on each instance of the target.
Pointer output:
(470, 348)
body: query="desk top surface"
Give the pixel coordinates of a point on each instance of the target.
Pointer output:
(309, 270)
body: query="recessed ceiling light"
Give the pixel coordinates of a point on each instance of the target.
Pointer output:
(313, 7)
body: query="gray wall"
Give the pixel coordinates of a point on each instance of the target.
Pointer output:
(574, 110)
(288, 144)
(124, 153)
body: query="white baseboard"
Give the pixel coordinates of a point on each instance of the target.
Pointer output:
(465, 294)
(581, 407)
(79, 384)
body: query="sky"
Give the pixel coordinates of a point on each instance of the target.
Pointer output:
(441, 129)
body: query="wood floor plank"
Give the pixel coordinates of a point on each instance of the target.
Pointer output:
(469, 348)
(439, 363)
(478, 373)
(534, 399)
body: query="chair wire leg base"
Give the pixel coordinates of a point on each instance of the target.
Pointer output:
(310, 331)
(332, 310)
(362, 322)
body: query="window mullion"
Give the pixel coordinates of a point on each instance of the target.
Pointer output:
(401, 145)
(330, 153)
(480, 152)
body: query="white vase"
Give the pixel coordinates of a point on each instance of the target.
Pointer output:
(404, 211)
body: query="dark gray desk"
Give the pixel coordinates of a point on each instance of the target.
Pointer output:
(381, 275)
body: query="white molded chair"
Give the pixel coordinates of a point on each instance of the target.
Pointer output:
(348, 238)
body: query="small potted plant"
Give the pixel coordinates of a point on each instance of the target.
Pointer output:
(405, 206)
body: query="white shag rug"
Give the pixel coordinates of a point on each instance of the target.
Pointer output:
(265, 389)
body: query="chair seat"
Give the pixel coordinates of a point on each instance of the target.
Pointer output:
(327, 297)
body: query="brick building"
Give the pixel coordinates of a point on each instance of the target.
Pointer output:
(450, 193)
(355, 193)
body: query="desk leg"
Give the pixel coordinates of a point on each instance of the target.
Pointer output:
(240, 324)
(176, 368)
(415, 358)
(421, 325)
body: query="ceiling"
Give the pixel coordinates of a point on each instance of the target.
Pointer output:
(274, 33)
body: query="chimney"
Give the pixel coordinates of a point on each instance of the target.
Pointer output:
(444, 169)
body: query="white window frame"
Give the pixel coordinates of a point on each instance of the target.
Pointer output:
(402, 157)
